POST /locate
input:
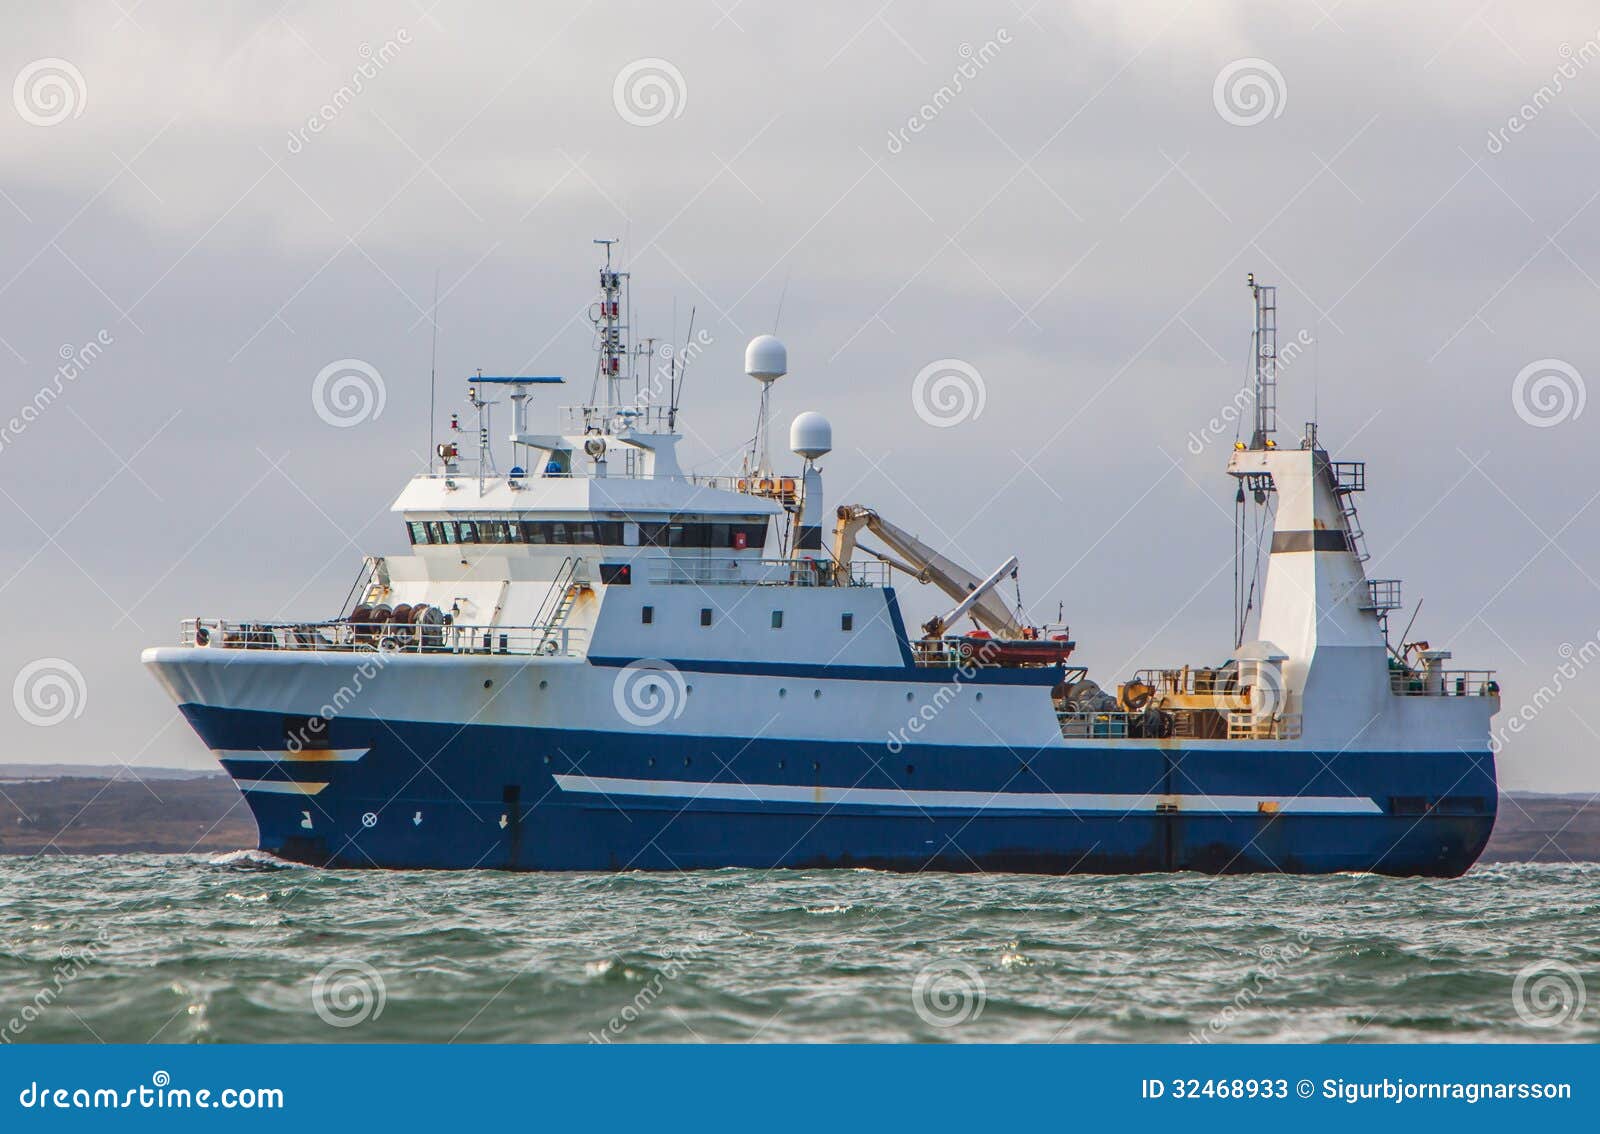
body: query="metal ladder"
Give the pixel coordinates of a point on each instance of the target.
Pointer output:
(1352, 522)
(559, 601)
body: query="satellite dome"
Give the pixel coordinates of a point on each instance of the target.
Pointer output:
(811, 436)
(766, 359)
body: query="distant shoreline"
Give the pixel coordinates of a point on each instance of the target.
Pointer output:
(106, 809)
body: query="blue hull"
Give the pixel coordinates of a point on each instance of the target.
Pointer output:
(459, 797)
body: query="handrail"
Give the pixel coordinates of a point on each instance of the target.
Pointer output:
(382, 637)
(1444, 683)
(749, 572)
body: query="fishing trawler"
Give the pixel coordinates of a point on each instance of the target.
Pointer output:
(597, 660)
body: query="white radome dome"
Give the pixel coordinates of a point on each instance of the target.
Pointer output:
(811, 436)
(766, 359)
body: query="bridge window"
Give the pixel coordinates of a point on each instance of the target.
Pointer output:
(419, 531)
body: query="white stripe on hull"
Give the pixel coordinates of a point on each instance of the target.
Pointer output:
(970, 800)
(279, 787)
(291, 756)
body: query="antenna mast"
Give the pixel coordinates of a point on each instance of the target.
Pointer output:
(1264, 341)
(610, 326)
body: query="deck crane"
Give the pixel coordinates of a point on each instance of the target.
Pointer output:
(974, 595)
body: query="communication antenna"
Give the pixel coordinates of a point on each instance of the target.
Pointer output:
(433, 366)
(1264, 339)
(766, 360)
(678, 376)
(610, 326)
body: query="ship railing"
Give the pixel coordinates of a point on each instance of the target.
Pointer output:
(1245, 725)
(608, 419)
(1119, 724)
(384, 637)
(1104, 726)
(1444, 683)
(735, 571)
(1188, 680)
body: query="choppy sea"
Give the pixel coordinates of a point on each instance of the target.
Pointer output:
(243, 948)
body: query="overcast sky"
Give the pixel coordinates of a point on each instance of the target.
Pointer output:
(1072, 219)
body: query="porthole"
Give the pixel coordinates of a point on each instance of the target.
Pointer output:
(816, 766)
(488, 681)
(910, 695)
(780, 765)
(544, 685)
(910, 768)
(980, 696)
(651, 762)
(687, 760)
(816, 694)
(783, 692)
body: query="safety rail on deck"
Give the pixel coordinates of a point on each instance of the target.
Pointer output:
(1108, 726)
(1117, 725)
(733, 571)
(1444, 683)
(1247, 726)
(1188, 680)
(356, 637)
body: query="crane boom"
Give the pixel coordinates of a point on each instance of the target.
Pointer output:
(927, 566)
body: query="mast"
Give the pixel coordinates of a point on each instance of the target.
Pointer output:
(1264, 343)
(610, 326)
